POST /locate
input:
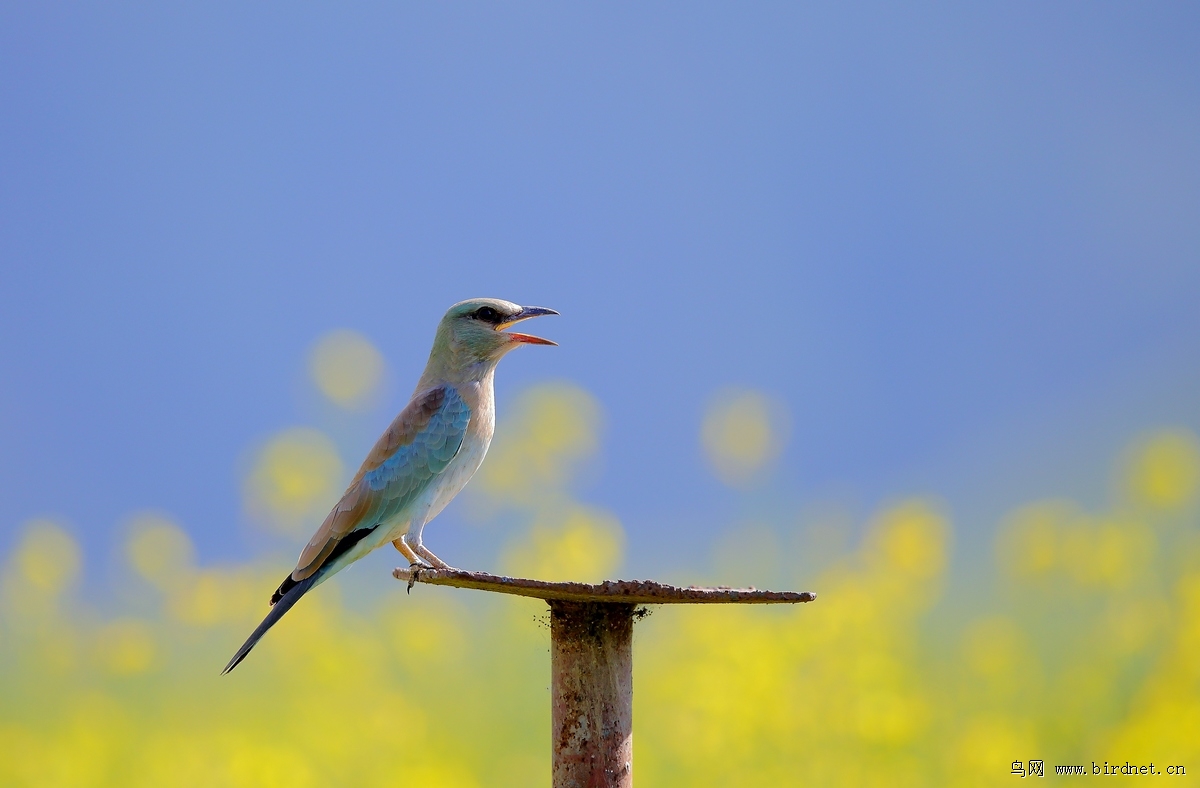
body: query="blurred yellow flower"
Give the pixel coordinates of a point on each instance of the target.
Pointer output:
(346, 368)
(1027, 543)
(1106, 553)
(213, 596)
(444, 775)
(125, 646)
(1039, 539)
(270, 767)
(992, 646)
(1164, 470)
(911, 538)
(742, 433)
(295, 480)
(984, 748)
(160, 551)
(429, 635)
(1130, 623)
(582, 543)
(889, 716)
(554, 426)
(47, 558)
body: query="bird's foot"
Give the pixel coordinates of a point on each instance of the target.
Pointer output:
(414, 573)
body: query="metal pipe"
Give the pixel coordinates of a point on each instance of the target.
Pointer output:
(591, 694)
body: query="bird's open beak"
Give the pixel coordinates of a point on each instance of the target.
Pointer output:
(526, 313)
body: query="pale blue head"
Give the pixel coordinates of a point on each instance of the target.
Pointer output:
(472, 332)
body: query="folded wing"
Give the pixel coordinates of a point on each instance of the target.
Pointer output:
(411, 453)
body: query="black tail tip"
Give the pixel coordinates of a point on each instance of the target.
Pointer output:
(233, 663)
(284, 604)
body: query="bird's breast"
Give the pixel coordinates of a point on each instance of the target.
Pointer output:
(473, 449)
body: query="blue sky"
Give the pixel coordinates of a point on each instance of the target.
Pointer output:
(961, 243)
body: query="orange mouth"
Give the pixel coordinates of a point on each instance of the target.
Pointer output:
(529, 339)
(526, 313)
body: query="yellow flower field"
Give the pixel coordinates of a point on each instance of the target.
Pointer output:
(1078, 643)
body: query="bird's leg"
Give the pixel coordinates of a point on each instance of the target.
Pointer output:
(414, 561)
(428, 555)
(413, 540)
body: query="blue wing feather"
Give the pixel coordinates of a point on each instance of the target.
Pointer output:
(410, 469)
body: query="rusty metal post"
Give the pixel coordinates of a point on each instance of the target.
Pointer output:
(591, 694)
(591, 660)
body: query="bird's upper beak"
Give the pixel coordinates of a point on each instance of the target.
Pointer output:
(526, 313)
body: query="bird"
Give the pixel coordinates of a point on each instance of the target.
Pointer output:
(423, 459)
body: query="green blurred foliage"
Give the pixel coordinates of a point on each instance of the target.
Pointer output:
(1082, 647)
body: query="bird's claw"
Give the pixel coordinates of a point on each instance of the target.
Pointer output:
(414, 572)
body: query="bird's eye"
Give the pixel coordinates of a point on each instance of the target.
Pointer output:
(487, 314)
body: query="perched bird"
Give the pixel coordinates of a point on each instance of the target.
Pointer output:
(421, 461)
